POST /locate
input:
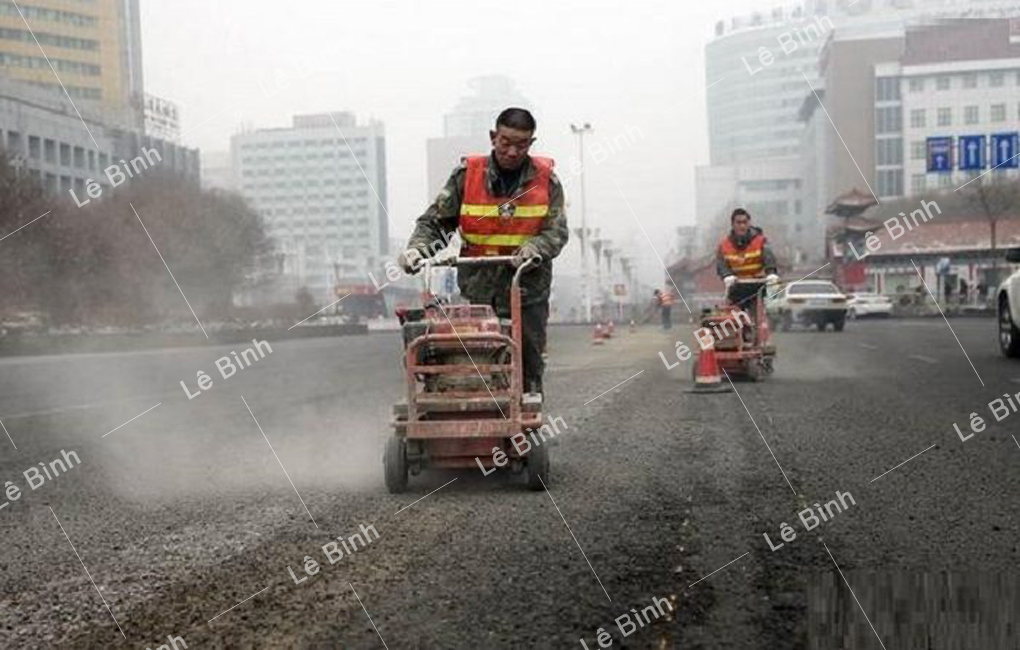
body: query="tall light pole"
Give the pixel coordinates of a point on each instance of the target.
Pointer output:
(579, 131)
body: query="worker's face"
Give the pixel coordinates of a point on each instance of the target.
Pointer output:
(740, 225)
(510, 146)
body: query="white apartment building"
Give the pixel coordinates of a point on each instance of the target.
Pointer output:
(935, 92)
(320, 185)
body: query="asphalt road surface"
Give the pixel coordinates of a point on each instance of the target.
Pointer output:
(194, 518)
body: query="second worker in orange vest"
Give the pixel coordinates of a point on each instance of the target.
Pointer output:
(506, 203)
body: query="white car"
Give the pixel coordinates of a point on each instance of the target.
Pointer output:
(808, 302)
(863, 305)
(1008, 302)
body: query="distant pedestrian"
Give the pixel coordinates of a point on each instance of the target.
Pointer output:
(664, 300)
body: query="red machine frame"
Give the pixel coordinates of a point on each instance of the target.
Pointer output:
(735, 355)
(462, 427)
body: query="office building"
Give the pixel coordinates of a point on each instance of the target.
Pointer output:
(320, 185)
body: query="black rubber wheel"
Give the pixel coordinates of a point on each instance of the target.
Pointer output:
(395, 464)
(821, 326)
(538, 465)
(1009, 334)
(838, 325)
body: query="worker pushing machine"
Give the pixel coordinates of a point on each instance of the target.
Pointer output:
(506, 203)
(744, 254)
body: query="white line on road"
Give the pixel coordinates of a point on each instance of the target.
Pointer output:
(900, 465)
(575, 539)
(369, 616)
(868, 346)
(240, 603)
(316, 313)
(947, 323)
(129, 421)
(279, 461)
(424, 497)
(716, 571)
(1014, 440)
(921, 357)
(759, 431)
(25, 226)
(79, 407)
(168, 269)
(614, 387)
(8, 435)
(87, 573)
(853, 594)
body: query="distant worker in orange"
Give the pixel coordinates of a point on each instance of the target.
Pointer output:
(664, 300)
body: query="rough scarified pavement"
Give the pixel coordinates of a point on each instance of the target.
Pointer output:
(186, 512)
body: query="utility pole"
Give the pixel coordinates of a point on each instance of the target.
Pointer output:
(579, 131)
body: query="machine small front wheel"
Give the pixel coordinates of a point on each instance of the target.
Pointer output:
(538, 465)
(395, 464)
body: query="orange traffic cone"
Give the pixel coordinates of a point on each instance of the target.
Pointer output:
(597, 335)
(707, 375)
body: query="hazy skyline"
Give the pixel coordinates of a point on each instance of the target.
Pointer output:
(636, 70)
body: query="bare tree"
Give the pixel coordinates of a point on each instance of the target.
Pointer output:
(993, 199)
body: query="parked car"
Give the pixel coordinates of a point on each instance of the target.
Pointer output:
(864, 305)
(1009, 309)
(808, 302)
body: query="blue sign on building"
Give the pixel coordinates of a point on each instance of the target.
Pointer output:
(940, 154)
(972, 152)
(1005, 152)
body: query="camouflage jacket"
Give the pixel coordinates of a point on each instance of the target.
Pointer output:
(491, 285)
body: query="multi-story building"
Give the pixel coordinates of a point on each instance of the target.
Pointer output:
(958, 78)
(41, 130)
(769, 146)
(321, 187)
(94, 47)
(466, 127)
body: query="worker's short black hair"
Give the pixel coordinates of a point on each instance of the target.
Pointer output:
(517, 118)
(738, 212)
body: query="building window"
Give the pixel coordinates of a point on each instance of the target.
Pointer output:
(890, 182)
(34, 147)
(970, 80)
(917, 85)
(945, 117)
(890, 151)
(50, 150)
(917, 183)
(971, 115)
(942, 83)
(887, 120)
(917, 118)
(998, 112)
(887, 90)
(997, 79)
(918, 150)
(65, 155)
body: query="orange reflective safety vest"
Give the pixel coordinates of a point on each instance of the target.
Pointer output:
(747, 262)
(497, 226)
(666, 299)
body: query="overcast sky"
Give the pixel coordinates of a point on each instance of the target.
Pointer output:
(619, 65)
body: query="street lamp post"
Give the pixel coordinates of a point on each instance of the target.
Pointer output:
(579, 131)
